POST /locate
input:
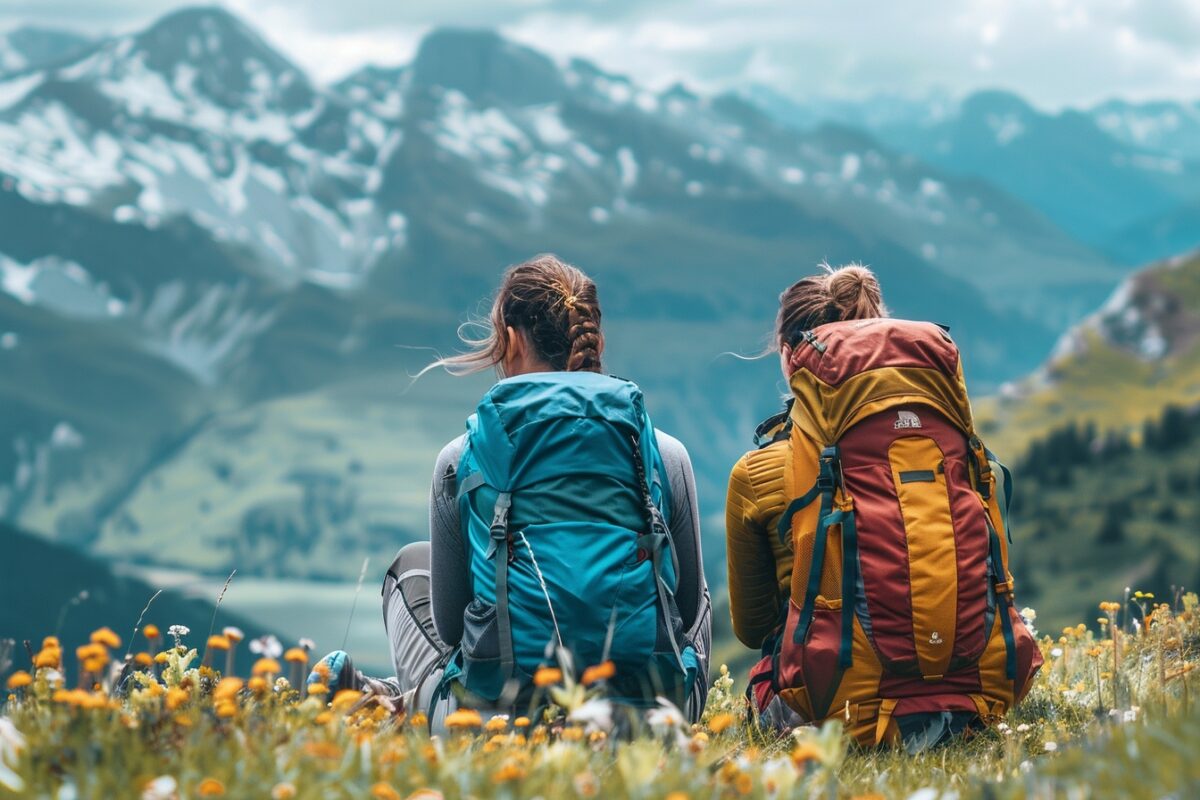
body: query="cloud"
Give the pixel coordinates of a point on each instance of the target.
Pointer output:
(1056, 52)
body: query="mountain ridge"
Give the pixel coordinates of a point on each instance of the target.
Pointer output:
(247, 264)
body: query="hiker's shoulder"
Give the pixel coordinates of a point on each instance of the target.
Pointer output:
(759, 476)
(671, 449)
(450, 455)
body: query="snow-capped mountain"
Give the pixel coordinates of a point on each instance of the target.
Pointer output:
(1122, 176)
(1169, 128)
(200, 247)
(30, 47)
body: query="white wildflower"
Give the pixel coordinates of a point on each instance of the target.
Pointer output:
(1131, 715)
(233, 632)
(1056, 652)
(1022, 728)
(177, 632)
(267, 647)
(163, 787)
(308, 644)
(596, 714)
(927, 793)
(1050, 747)
(666, 718)
(12, 742)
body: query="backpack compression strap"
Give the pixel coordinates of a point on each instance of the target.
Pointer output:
(499, 549)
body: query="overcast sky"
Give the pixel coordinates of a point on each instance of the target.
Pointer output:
(1055, 52)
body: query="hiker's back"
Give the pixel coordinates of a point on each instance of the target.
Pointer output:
(563, 509)
(900, 603)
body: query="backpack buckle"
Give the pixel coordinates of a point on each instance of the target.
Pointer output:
(831, 469)
(499, 529)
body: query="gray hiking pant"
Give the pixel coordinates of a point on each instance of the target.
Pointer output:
(418, 655)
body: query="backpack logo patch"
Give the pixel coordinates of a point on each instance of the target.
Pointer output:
(907, 419)
(936, 638)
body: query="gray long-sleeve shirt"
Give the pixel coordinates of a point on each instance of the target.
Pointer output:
(450, 572)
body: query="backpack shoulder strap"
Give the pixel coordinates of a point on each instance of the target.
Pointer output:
(775, 428)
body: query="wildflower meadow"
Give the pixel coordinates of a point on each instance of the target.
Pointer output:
(168, 714)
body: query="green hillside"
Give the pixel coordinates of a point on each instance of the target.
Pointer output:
(47, 589)
(1124, 365)
(1103, 442)
(1094, 514)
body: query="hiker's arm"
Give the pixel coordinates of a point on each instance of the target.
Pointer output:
(691, 591)
(753, 582)
(685, 528)
(449, 571)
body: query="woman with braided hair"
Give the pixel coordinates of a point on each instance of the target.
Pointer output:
(564, 529)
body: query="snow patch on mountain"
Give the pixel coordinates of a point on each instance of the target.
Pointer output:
(60, 285)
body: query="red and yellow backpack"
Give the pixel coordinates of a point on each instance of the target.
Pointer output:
(901, 599)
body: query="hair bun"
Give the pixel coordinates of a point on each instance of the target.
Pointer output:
(855, 293)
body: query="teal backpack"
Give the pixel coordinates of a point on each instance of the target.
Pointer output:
(564, 515)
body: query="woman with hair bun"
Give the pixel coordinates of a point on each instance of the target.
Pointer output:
(564, 529)
(759, 560)
(867, 536)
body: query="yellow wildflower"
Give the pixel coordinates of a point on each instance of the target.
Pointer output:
(677, 796)
(162, 657)
(296, 655)
(496, 724)
(418, 720)
(226, 709)
(343, 700)
(19, 680)
(266, 666)
(805, 753)
(175, 698)
(257, 685)
(48, 657)
(227, 688)
(323, 718)
(89, 651)
(547, 676)
(600, 672)
(317, 689)
(720, 722)
(510, 770)
(426, 794)
(150, 631)
(323, 750)
(106, 637)
(218, 642)
(384, 791)
(283, 791)
(210, 787)
(744, 783)
(464, 718)
(143, 660)
(521, 722)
